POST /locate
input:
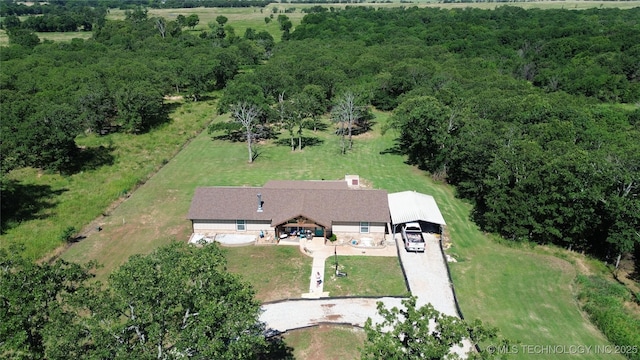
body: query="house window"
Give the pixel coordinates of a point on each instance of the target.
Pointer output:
(364, 227)
(241, 225)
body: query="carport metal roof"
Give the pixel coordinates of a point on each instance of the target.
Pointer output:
(407, 206)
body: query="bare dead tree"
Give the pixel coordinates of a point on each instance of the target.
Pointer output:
(337, 117)
(161, 25)
(246, 114)
(286, 118)
(346, 112)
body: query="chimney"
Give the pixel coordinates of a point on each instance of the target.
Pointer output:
(259, 202)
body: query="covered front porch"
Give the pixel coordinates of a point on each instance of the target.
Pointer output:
(301, 227)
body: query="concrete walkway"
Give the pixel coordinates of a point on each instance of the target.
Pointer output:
(426, 275)
(321, 251)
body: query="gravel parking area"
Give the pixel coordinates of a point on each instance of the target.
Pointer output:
(288, 315)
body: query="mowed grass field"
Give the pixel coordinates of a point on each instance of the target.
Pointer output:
(525, 292)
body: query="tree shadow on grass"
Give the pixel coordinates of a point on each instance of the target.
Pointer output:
(171, 106)
(319, 126)
(306, 141)
(635, 274)
(91, 158)
(394, 150)
(235, 133)
(277, 350)
(20, 202)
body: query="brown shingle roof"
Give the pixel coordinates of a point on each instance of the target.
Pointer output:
(324, 206)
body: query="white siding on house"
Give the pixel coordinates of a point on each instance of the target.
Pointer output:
(229, 226)
(259, 225)
(210, 226)
(377, 228)
(354, 227)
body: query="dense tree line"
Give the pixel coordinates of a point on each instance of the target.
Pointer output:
(550, 164)
(591, 52)
(61, 20)
(474, 103)
(20, 8)
(116, 81)
(39, 7)
(59, 16)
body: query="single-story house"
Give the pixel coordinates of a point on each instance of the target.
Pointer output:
(282, 208)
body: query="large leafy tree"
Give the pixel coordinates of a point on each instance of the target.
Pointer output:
(178, 301)
(140, 106)
(423, 333)
(40, 135)
(425, 126)
(32, 301)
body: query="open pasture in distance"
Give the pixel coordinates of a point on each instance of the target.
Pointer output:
(238, 18)
(51, 36)
(65, 36)
(528, 295)
(242, 18)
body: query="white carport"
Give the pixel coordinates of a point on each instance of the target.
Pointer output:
(410, 206)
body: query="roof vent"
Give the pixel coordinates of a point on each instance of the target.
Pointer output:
(259, 202)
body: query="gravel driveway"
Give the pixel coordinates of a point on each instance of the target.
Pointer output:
(427, 275)
(427, 278)
(294, 314)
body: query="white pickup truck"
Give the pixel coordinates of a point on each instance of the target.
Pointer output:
(412, 237)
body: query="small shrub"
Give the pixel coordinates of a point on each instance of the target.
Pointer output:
(333, 238)
(68, 234)
(604, 301)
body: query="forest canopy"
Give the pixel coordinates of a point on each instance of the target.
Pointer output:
(532, 114)
(521, 110)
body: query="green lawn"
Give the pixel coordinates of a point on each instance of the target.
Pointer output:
(524, 292)
(366, 276)
(156, 212)
(275, 272)
(78, 199)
